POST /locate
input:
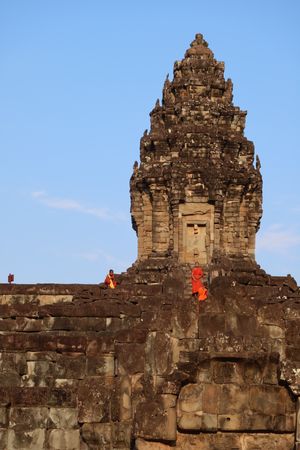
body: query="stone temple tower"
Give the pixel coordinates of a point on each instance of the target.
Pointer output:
(196, 193)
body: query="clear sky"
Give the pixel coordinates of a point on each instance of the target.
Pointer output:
(77, 82)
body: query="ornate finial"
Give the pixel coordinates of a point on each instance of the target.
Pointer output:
(157, 104)
(145, 132)
(199, 40)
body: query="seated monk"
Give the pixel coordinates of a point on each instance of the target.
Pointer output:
(110, 281)
(198, 290)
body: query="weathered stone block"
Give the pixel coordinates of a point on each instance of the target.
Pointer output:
(184, 323)
(210, 324)
(64, 418)
(285, 424)
(292, 331)
(28, 418)
(173, 286)
(64, 440)
(210, 398)
(274, 331)
(121, 435)
(51, 299)
(100, 343)
(252, 372)
(71, 365)
(190, 398)
(121, 399)
(125, 399)
(78, 323)
(62, 397)
(204, 372)
(102, 365)
(232, 422)
(41, 356)
(227, 372)
(38, 396)
(292, 353)
(270, 373)
(72, 342)
(66, 383)
(135, 335)
(3, 439)
(26, 439)
(271, 314)
(261, 422)
(209, 441)
(141, 444)
(98, 435)
(31, 324)
(10, 379)
(162, 353)
(298, 420)
(268, 442)
(98, 308)
(113, 323)
(169, 400)
(154, 421)
(197, 421)
(13, 363)
(28, 396)
(94, 399)
(241, 325)
(234, 399)
(26, 310)
(130, 358)
(3, 417)
(269, 400)
(39, 373)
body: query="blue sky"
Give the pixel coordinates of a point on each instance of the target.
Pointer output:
(77, 82)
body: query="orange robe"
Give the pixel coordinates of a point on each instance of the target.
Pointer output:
(197, 286)
(110, 281)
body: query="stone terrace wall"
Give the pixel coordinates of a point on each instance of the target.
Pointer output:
(146, 367)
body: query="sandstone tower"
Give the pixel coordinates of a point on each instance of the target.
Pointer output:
(196, 193)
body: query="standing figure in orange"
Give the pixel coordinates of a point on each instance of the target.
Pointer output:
(198, 290)
(110, 281)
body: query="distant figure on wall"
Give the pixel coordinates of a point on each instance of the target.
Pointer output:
(198, 290)
(110, 281)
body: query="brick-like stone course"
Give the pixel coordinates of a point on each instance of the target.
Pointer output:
(165, 368)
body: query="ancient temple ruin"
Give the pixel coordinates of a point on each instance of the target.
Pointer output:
(196, 193)
(144, 366)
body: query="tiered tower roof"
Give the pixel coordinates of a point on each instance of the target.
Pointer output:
(196, 171)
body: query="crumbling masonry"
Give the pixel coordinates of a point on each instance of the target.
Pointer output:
(144, 366)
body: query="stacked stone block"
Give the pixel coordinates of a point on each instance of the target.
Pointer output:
(145, 367)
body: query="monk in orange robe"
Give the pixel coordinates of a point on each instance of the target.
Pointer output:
(110, 281)
(198, 290)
